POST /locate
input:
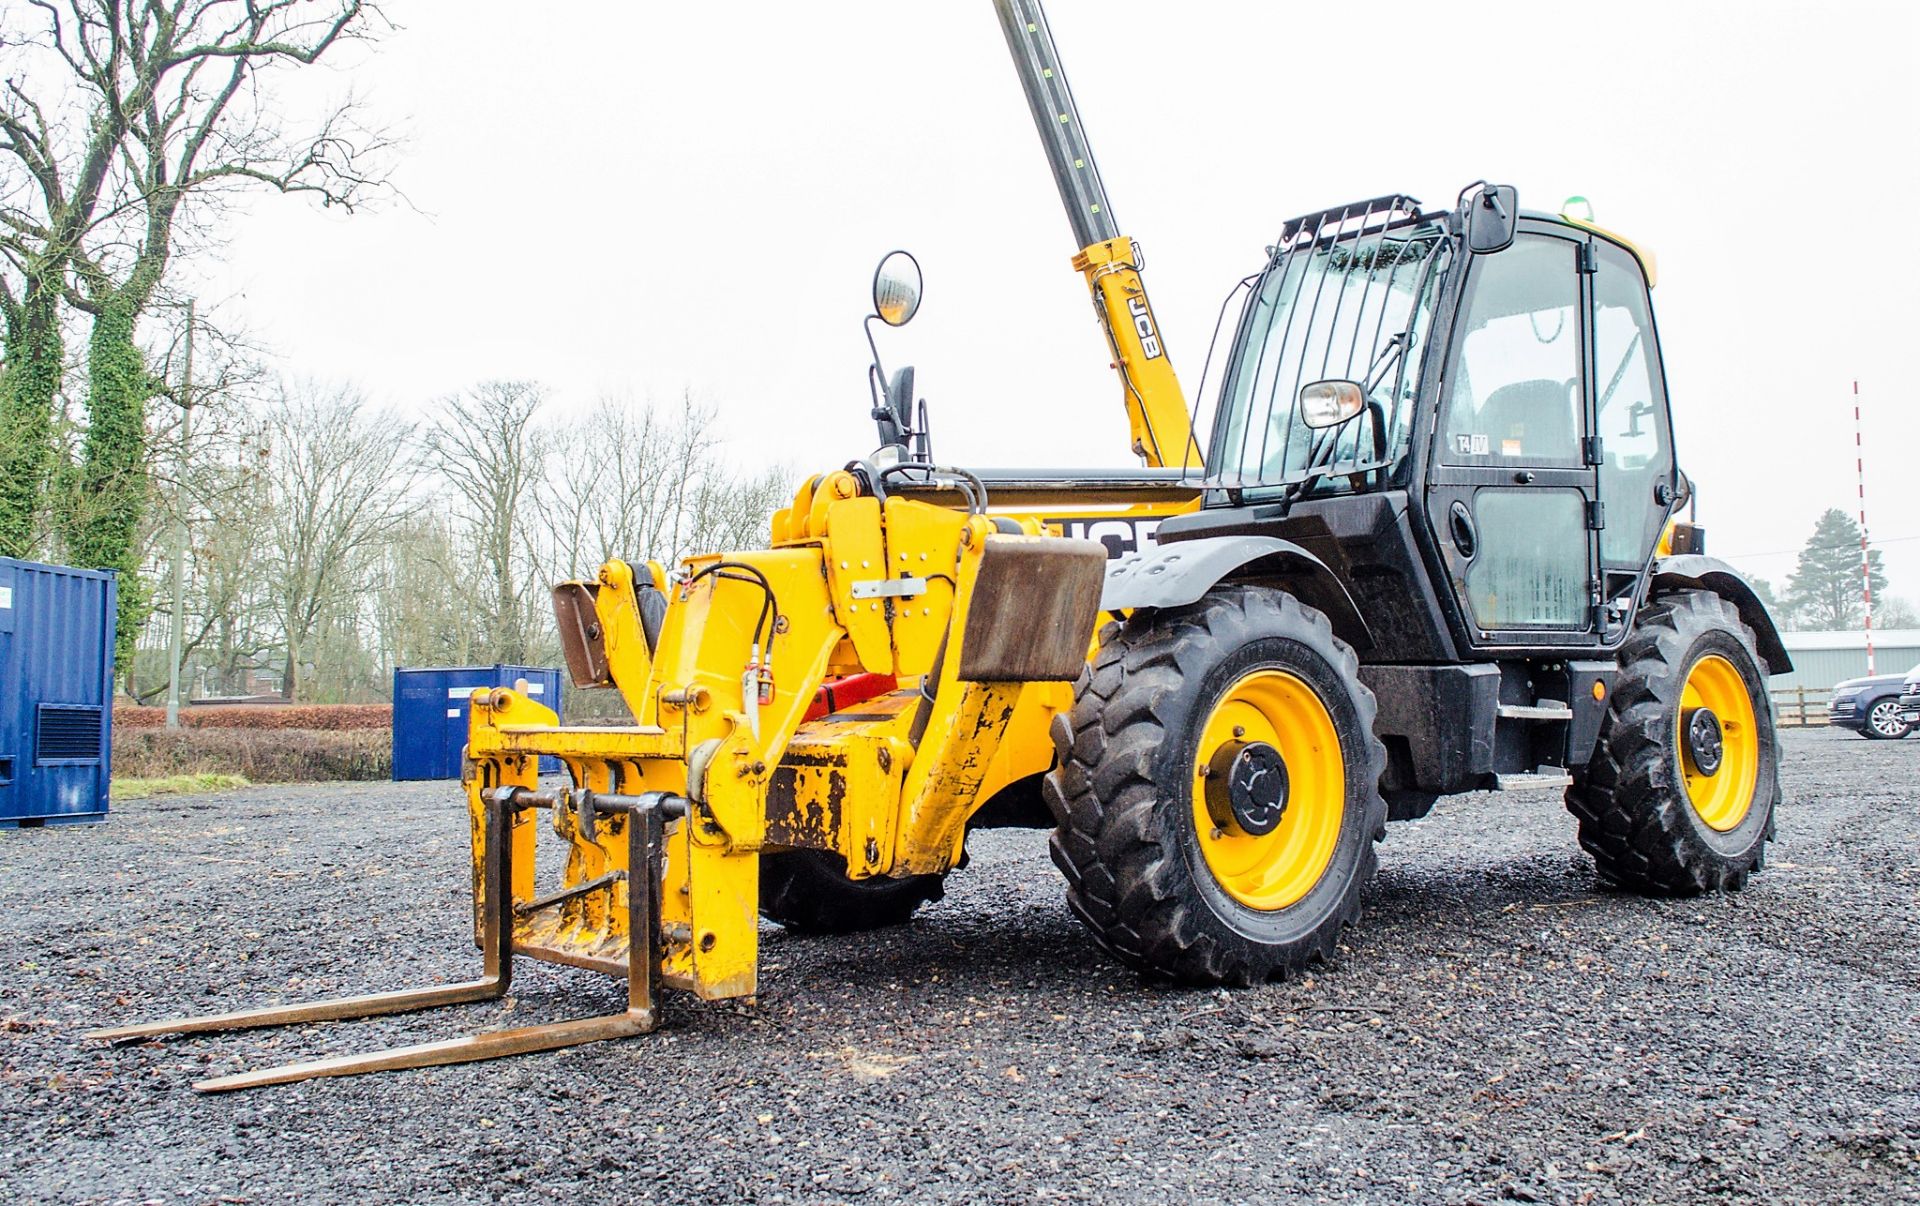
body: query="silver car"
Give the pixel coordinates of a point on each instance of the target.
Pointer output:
(1909, 713)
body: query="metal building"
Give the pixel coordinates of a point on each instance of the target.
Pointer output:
(1821, 659)
(56, 693)
(430, 706)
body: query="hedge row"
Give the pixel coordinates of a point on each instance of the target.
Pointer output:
(336, 718)
(277, 756)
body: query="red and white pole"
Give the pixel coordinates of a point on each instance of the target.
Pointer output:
(1866, 564)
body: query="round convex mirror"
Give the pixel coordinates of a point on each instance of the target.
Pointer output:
(896, 288)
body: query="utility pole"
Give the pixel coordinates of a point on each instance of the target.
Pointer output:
(1866, 562)
(180, 533)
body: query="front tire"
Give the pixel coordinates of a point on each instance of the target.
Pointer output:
(808, 891)
(1678, 797)
(1884, 723)
(1217, 791)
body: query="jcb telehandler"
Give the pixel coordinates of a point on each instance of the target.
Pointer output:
(1428, 546)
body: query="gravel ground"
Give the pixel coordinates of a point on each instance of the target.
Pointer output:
(1501, 1026)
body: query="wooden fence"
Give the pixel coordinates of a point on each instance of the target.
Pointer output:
(1799, 708)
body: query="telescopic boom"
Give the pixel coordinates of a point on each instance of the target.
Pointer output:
(1156, 405)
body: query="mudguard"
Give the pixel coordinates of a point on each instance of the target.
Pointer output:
(1178, 573)
(1696, 571)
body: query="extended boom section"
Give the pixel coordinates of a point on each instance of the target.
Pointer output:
(1162, 430)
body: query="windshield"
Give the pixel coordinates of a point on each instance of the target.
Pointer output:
(1353, 307)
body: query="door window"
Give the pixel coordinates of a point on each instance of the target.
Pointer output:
(1631, 404)
(1515, 394)
(1531, 571)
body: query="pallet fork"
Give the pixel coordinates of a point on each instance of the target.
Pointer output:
(648, 813)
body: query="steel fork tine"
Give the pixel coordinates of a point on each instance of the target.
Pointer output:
(645, 837)
(496, 878)
(369, 1006)
(493, 1045)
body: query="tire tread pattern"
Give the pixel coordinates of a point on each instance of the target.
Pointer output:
(1631, 804)
(808, 891)
(1127, 877)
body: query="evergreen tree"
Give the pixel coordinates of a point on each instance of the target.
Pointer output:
(1777, 607)
(1825, 589)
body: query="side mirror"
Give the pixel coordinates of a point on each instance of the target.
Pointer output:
(896, 288)
(1331, 403)
(1492, 215)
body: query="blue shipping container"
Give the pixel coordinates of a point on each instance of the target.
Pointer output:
(430, 707)
(56, 693)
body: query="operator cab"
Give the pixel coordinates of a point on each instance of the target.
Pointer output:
(1491, 375)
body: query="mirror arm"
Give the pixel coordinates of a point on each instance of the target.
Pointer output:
(877, 390)
(881, 411)
(873, 346)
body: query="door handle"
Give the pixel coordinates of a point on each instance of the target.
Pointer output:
(1460, 526)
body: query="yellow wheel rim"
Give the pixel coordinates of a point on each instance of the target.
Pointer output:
(1723, 798)
(1274, 870)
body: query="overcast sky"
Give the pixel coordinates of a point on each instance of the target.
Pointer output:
(646, 198)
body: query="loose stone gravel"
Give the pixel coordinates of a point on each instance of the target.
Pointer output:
(1501, 1026)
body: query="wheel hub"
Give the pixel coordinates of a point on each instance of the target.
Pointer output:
(1247, 787)
(1706, 745)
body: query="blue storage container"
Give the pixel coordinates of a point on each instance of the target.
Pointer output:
(430, 707)
(56, 693)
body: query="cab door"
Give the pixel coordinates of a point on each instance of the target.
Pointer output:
(1639, 482)
(1511, 495)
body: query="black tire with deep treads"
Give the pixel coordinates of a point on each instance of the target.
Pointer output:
(808, 891)
(1136, 876)
(1631, 797)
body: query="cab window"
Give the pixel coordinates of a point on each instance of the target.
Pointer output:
(1515, 394)
(1630, 400)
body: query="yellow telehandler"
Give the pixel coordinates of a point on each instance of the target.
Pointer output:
(1428, 547)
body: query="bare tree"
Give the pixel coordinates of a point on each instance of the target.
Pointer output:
(646, 483)
(735, 511)
(121, 119)
(424, 598)
(223, 500)
(487, 446)
(341, 489)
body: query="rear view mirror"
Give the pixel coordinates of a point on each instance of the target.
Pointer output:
(1492, 215)
(1331, 403)
(896, 288)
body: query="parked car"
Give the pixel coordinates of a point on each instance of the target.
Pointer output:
(1909, 713)
(1872, 707)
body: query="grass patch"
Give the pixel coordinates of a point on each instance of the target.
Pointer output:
(175, 785)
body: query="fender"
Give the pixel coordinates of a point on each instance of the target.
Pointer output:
(1179, 572)
(1695, 571)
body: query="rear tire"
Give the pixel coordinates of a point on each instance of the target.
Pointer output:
(808, 891)
(1163, 883)
(1653, 820)
(1883, 721)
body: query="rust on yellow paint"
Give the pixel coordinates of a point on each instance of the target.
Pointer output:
(888, 784)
